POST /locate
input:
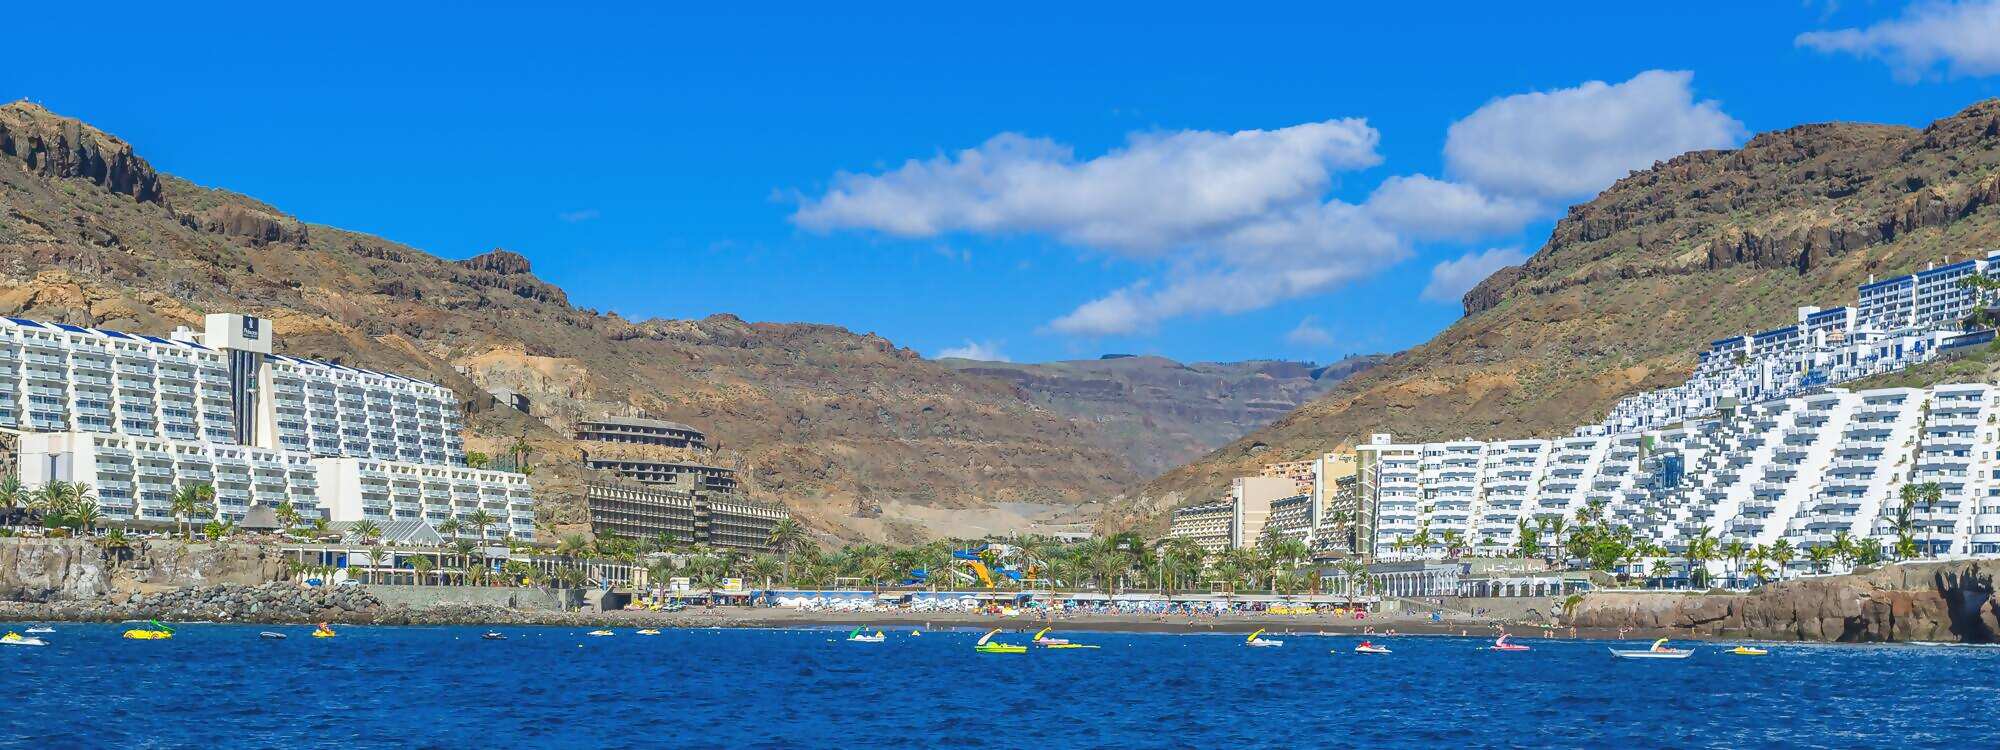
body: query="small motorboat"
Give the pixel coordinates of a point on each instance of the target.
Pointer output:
(599, 633)
(1659, 650)
(1371, 647)
(271, 636)
(1501, 644)
(16, 639)
(646, 631)
(159, 632)
(493, 635)
(988, 646)
(32, 631)
(1750, 651)
(1254, 642)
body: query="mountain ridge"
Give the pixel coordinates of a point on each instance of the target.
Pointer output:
(1160, 413)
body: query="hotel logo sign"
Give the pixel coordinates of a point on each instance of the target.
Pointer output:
(250, 326)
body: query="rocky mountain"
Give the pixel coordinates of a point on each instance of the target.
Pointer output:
(861, 437)
(1631, 285)
(1159, 413)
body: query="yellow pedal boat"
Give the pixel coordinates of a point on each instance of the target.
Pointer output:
(1748, 651)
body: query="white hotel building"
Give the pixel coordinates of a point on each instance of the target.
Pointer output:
(137, 417)
(1895, 323)
(1801, 469)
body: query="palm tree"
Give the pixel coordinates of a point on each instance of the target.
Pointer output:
(1906, 545)
(1928, 495)
(1107, 565)
(787, 537)
(117, 544)
(1557, 525)
(1735, 550)
(287, 515)
(1905, 521)
(479, 521)
(1453, 542)
(367, 531)
(1819, 555)
(1527, 539)
(1700, 550)
(1780, 553)
(191, 501)
(1182, 560)
(477, 460)
(521, 449)
(1760, 571)
(450, 527)
(464, 548)
(766, 567)
(12, 495)
(420, 566)
(85, 515)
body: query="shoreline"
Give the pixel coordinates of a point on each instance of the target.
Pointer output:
(775, 618)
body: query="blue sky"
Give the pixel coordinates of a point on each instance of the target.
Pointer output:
(1149, 178)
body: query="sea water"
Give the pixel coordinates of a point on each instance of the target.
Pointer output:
(445, 687)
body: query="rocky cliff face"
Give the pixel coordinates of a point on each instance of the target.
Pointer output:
(1933, 602)
(1160, 413)
(76, 570)
(55, 147)
(1630, 286)
(829, 421)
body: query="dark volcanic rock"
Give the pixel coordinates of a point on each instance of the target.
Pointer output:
(55, 146)
(1946, 602)
(497, 261)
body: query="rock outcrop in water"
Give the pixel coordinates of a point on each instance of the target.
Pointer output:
(1945, 602)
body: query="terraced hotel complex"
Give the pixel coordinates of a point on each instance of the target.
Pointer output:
(1757, 446)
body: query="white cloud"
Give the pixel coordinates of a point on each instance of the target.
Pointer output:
(1309, 334)
(1238, 217)
(1300, 252)
(1428, 208)
(1237, 221)
(985, 351)
(1964, 37)
(1573, 142)
(572, 217)
(1451, 279)
(1158, 193)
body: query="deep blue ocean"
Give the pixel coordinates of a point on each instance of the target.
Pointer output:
(221, 686)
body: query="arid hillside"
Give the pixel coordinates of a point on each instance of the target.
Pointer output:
(1631, 285)
(863, 438)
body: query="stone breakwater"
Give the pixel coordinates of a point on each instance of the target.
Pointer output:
(1943, 602)
(284, 602)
